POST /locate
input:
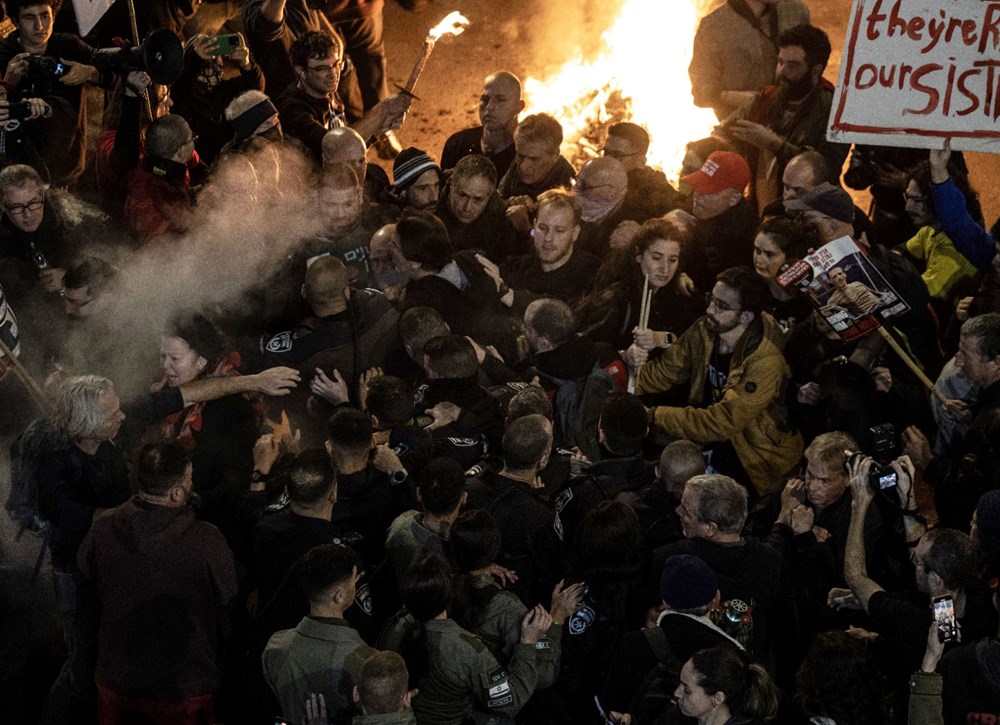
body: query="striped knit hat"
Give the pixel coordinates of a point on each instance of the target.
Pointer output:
(408, 166)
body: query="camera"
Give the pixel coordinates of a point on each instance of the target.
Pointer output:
(20, 111)
(42, 66)
(881, 441)
(862, 170)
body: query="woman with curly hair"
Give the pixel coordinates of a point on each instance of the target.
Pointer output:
(839, 684)
(611, 312)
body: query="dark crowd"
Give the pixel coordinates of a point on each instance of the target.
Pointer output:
(502, 438)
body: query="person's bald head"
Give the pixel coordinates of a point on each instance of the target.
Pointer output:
(803, 173)
(679, 462)
(604, 177)
(601, 187)
(500, 102)
(345, 145)
(327, 285)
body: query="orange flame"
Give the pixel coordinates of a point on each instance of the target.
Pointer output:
(644, 60)
(453, 24)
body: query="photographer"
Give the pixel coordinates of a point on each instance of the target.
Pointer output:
(35, 131)
(35, 62)
(211, 80)
(945, 564)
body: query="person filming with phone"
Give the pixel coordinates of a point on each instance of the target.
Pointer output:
(945, 569)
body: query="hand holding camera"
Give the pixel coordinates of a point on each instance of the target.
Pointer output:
(25, 110)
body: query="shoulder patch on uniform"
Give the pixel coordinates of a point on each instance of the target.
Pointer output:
(563, 498)
(499, 693)
(750, 387)
(462, 442)
(557, 525)
(582, 618)
(282, 342)
(363, 598)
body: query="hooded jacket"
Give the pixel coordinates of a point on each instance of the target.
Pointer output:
(161, 576)
(751, 413)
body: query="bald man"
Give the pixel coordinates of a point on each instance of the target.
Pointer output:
(345, 146)
(340, 318)
(499, 106)
(601, 188)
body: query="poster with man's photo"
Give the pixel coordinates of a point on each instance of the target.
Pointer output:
(844, 286)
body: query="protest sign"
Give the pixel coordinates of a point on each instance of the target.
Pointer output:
(845, 287)
(915, 72)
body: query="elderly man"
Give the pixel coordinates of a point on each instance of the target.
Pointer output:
(730, 365)
(755, 584)
(831, 210)
(538, 166)
(499, 105)
(809, 521)
(35, 245)
(726, 222)
(601, 188)
(310, 107)
(474, 213)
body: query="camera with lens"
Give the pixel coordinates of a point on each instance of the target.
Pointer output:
(42, 66)
(881, 441)
(20, 111)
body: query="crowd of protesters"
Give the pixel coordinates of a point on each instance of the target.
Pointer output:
(496, 439)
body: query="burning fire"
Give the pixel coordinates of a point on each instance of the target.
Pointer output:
(643, 66)
(453, 24)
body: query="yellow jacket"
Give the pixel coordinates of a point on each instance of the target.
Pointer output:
(751, 413)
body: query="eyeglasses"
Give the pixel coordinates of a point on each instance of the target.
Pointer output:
(19, 209)
(915, 198)
(721, 306)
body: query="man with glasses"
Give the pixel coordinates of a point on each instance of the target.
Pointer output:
(311, 106)
(730, 368)
(35, 240)
(601, 187)
(649, 193)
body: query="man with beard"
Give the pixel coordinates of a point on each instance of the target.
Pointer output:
(416, 180)
(784, 119)
(498, 108)
(731, 365)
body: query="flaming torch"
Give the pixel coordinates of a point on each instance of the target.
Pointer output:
(453, 24)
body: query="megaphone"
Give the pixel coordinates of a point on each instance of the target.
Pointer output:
(161, 55)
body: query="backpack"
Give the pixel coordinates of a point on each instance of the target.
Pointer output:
(656, 691)
(25, 452)
(577, 406)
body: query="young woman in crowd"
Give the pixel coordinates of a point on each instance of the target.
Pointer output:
(611, 312)
(780, 241)
(719, 687)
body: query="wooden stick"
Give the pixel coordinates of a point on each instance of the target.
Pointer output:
(643, 303)
(912, 365)
(33, 388)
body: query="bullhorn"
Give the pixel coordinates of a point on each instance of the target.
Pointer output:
(160, 55)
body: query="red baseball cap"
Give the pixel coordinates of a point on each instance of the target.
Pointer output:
(722, 170)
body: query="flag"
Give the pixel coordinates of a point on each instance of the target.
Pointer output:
(88, 12)
(8, 333)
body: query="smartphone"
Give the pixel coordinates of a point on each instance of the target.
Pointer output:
(226, 44)
(944, 615)
(19, 111)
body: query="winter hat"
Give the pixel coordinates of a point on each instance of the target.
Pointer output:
(687, 582)
(408, 166)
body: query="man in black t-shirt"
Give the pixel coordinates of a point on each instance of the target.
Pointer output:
(499, 105)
